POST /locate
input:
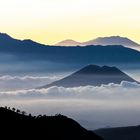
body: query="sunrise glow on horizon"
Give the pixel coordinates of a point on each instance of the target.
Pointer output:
(51, 21)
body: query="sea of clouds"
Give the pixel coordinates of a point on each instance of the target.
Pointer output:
(124, 90)
(8, 82)
(94, 107)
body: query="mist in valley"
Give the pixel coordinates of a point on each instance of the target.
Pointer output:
(93, 107)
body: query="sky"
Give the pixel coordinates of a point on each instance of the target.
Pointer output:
(50, 21)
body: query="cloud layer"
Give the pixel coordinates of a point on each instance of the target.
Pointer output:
(93, 107)
(110, 91)
(8, 82)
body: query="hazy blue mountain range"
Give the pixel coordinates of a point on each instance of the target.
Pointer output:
(112, 40)
(93, 75)
(68, 42)
(25, 56)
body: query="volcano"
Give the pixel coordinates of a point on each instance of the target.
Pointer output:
(93, 75)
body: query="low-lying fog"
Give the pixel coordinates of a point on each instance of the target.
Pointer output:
(109, 105)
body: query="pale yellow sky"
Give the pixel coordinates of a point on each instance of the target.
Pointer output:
(50, 21)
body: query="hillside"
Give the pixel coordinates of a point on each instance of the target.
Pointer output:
(121, 133)
(15, 125)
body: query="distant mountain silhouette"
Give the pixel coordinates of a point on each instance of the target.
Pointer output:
(7, 42)
(121, 133)
(16, 125)
(93, 75)
(112, 40)
(27, 56)
(68, 42)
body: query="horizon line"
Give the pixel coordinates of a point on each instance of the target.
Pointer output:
(68, 39)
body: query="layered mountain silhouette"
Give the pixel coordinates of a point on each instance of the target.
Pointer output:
(8, 42)
(68, 42)
(120, 133)
(14, 124)
(112, 40)
(25, 56)
(93, 75)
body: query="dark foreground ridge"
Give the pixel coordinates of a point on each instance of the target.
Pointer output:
(93, 75)
(16, 125)
(120, 133)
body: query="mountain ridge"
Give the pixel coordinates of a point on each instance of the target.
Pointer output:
(27, 55)
(16, 124)
(120, 133)
(93, 75)
(6, 40)
(68, 42)
(112, 40)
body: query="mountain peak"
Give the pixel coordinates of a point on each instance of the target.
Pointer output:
(111, 40)
(117, 36)
(68, 42)
(89, 69)
(93, 75)
(5, 36)
(99, 70)
(29, 41)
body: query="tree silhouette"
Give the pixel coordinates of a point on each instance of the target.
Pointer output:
(18, 111)
(14, 124)
(6, 107)
(30, 115)
(39, 116)
(23, 113)
(13, 109)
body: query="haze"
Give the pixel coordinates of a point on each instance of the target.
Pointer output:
(93, 107)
